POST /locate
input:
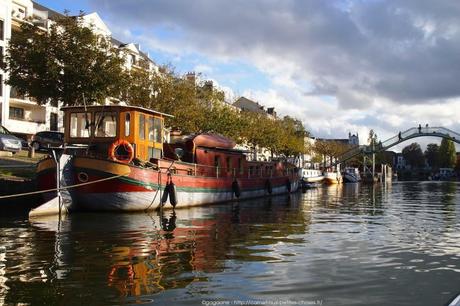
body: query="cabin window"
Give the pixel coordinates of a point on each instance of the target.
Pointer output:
(229, 163)
(217, 161)
(127, 123)
(142, 127)
(155, 129)
(154, 153)
(80, 125)
(106, 124)
(240, 165)
(151, 128)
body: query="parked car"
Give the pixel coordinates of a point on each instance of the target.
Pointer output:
(9, 142)
(47, 139)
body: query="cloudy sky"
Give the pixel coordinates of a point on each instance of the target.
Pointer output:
(339, 66)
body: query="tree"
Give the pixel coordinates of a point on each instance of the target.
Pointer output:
(413, 155)
(432, 155)
(327, 149)
(139, 85)
(65, 63)
(291, 133)
(173, 95)
(372, 139)
(447, 154)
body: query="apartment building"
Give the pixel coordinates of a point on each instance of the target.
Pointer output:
(22, 115)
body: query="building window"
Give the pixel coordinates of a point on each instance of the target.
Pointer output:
(2, 29)
(142, 127)
(16, 113)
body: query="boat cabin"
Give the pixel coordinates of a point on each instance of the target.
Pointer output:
(215, 155)
(100, 126)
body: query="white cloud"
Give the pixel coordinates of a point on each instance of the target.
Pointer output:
(386, 65)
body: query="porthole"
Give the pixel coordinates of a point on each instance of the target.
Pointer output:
(82, 177)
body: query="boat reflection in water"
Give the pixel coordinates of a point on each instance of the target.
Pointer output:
(143, 254)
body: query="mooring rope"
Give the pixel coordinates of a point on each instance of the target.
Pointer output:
(62, 188)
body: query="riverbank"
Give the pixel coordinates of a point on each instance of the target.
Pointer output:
(17, 175)
(19, 166)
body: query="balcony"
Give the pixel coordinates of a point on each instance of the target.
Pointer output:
(25, 126)
(17, 97)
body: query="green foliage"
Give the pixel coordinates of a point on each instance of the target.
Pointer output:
(432, 155)
(413, 155)
(138, 86)
(372, 138)
(63, 64)
(447, 154)
(330, 149)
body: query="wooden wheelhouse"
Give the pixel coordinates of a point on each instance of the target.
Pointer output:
(98, 127)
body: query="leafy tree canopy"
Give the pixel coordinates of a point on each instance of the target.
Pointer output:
(65, 63)
(432, 155)
(447, 154)
(413, 155)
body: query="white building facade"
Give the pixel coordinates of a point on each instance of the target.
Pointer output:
(19, 114)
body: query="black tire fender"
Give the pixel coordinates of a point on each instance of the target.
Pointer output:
(236, 189)
(164, 197)
(172, 194)
(268, 187)
(288, 185)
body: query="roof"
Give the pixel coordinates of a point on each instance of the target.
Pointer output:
(343, 140)
(51, 13)
(212, 141)
(116, 107)
(247, 104)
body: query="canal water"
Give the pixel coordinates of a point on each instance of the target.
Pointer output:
(397, 244)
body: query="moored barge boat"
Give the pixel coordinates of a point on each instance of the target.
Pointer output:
(351, 175)
(123, 164)
(312, 175)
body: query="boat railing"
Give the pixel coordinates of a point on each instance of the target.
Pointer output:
(212, 171)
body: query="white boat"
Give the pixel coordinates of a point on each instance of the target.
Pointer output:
(351, 175)
(332, 177)
(312, 176)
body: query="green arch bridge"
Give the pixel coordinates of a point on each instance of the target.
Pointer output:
(395, 140)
